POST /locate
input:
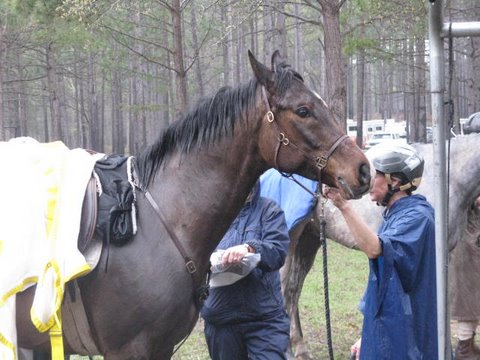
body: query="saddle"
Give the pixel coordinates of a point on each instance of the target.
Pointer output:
(110, 215)
(88, 220)
(108, 205)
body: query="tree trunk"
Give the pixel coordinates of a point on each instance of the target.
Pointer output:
(103, 126)
(56, 92)
(334, 63)
(281, 31)
(3, 56)
(96, 130)
(350, 90)
(136, 125)
(475, 41)
(22, 103)
(409, 91)
(360, 95)
(420, 106)
(252, 25)
(46, 122)
(225, 48)
(118, 142)
(180, 73)
(197, 50)
(267, 32)
(240, 55)
(298, 53)
(53, 94)
(76, 107)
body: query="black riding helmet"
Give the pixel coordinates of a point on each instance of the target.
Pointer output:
(400, 161)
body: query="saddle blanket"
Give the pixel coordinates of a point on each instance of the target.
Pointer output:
(43, 185)
(295, 202)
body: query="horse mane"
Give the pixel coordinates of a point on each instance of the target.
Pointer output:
(210, 121)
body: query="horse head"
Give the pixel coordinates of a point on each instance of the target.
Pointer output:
(299, 133)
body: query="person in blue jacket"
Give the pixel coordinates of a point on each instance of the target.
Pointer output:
(399, 305)
(247, 319)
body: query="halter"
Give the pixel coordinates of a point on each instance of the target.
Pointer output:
(319, 161)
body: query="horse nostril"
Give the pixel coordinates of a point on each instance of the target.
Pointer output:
(364, 174)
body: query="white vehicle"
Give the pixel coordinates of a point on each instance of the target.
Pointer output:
(383, 137)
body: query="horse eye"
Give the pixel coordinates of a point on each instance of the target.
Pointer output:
(303, 112)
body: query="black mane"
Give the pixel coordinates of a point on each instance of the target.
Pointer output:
(210, 121)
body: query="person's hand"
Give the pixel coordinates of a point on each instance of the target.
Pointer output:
(355, 350)
(234, 254)
(333, 194)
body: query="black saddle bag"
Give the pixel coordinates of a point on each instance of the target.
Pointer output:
(116, 221)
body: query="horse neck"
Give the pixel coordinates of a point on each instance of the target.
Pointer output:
(200, 194)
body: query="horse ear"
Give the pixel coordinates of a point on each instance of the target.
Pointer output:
(277, 60)
(263, 74)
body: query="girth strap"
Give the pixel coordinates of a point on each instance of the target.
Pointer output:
(78, 332)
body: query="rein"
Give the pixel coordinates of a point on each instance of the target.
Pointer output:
(323, 243)
(319, 161)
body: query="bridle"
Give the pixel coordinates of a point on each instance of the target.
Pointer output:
(319, 161)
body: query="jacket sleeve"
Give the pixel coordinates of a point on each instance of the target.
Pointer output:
(274, 242)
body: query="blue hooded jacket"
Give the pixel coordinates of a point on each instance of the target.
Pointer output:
(400, 307)
(260, 224)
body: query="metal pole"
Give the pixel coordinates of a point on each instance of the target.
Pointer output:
(437, 85)
(462, 29)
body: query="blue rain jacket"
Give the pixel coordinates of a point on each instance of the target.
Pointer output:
(261, 224)
(296, 202)
(400, 308)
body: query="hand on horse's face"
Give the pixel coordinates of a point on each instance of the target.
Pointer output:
(334, 195)
(235, 254)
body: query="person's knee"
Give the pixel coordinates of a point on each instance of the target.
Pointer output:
(224, 343)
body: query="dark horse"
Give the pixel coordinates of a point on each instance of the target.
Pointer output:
(199, 173)
(464, 189)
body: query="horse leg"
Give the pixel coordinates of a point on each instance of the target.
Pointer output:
(303, 248)
(284, 274)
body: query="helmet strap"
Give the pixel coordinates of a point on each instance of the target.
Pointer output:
(390, 191)
(389, 194)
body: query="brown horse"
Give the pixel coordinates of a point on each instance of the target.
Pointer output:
(464, 189)
(196, 177)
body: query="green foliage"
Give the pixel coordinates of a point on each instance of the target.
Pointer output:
(42, 11)
(352, 45)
